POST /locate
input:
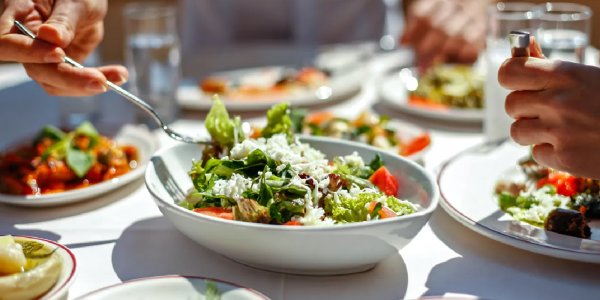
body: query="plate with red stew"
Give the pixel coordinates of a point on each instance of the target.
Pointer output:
(58, 167)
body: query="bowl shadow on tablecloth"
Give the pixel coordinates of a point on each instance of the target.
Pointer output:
(12, 215)
(153, 247)
(485, 267)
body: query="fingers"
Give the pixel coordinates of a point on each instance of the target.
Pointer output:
(531, 132)
(545, 155)
(523, 73)
(19, 48)
(115, 73)
(64, 80)
(524, 104)
(60, 27)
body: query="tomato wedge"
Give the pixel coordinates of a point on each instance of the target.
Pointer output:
(219, 212)
(565, 183)
(385, 181)
(415, 145)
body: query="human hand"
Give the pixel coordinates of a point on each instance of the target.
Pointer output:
(445, 30)
(63, 27)
(556, 105)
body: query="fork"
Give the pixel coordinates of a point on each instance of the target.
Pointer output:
(143, 105)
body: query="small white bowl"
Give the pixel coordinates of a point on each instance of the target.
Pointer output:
(173, 287)
(314, 250)
(68, 268)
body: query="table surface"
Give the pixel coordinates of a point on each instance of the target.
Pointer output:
(122, 235)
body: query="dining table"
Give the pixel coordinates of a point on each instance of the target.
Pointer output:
(121, 235)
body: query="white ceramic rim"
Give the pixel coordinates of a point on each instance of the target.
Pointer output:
(502, 237)
(434, 198)
(159, 278)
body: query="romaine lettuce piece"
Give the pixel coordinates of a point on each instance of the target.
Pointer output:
(223, 130)
(278, 121)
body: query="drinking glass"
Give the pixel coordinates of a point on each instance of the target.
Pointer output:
(563, 30)
(152, 55)
(394, 24)
(503, 18)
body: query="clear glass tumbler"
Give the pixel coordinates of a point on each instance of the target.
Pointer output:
(503, 18)
(152, 56)
(563, 30)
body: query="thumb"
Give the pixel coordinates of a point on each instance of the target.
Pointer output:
(535, 49)
(59, 28)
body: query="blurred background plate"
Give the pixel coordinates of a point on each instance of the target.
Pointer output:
(392, 90)
(340, 86)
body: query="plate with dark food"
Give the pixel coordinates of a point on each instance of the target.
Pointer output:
(498, 190)
(260, 88)
(444, 92)
(57, 167)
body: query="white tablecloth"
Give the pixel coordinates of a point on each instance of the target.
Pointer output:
(122, 235)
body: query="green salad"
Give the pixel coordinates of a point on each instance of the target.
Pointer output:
(276, 179)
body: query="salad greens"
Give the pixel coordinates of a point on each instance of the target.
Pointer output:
(275, 179)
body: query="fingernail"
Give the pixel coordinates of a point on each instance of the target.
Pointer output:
(96, 86)
(118, 79)
(53, 57)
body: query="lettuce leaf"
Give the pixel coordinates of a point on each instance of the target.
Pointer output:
(278, 121)
(223, 130)
(350, 209)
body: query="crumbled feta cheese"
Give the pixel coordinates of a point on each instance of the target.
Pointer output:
(234, 187)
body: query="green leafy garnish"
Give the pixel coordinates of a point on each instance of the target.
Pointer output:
(79, 161)
(50, 132)
(278, 121)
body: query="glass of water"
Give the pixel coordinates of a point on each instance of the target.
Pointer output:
(563, 30)
(152, 55)
(503, 18)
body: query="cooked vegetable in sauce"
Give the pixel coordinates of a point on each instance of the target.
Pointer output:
(58, 161)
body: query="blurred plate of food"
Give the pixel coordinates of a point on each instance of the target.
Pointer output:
(175, 287)
(259, 88)
(57, 167)
(497, 190)
(444, 92)
(35, 268)
(382, 132)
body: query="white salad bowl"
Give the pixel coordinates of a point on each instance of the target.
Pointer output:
(315, 250)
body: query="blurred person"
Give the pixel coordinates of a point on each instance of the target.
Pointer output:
(556, 107)
(446, 30)
(62, 27)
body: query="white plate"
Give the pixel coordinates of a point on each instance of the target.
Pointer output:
(392, 90)
(138, 136)
(339, 87)
(173, 287)
(467, 184)
(68, 268)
